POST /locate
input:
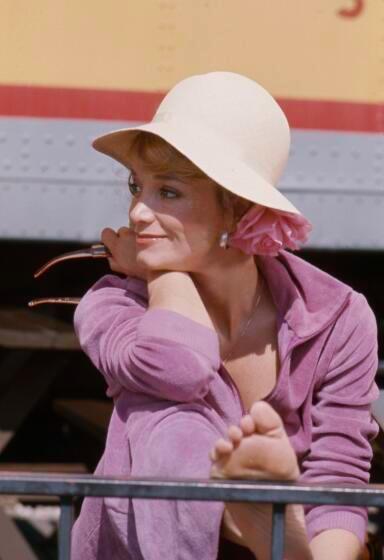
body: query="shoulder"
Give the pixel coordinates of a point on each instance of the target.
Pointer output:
(357, 321)
(309, 275)
(308, 298)
(316, 280)
(111, 293)
(355, 311)
(111, 285)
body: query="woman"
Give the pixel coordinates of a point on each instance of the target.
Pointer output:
(224, 353)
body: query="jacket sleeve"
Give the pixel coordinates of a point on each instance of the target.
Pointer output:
(342, 425)
(157, 352)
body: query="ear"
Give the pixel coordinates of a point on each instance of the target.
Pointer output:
(241, 207)
(234, 208)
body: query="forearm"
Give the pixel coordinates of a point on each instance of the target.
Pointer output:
(156, 352)
(333, 543)
(177, 292)
(336, 543)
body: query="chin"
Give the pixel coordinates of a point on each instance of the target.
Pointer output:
(157, 262)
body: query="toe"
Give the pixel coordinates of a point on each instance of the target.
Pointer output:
(213, 455)
(235, 434)
(222, 447)
(266, 419)
(247, 425)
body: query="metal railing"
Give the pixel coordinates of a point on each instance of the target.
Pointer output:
(67, 487)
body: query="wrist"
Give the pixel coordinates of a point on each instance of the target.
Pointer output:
(176, 291)
(169, 283)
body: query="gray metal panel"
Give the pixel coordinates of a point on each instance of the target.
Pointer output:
(61, 211)
(335, 161)
(337, 180)
(53, 185)
(343, 220)
(55, 150)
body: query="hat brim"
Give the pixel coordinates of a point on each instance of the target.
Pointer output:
(218, 160)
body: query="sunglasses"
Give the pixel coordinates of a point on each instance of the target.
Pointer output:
(96, 251)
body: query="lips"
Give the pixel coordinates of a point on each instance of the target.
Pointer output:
(148, 239)
(149, 236)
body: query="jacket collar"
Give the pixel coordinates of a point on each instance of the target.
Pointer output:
(307, 298)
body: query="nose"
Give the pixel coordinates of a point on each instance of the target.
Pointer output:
(141, 212)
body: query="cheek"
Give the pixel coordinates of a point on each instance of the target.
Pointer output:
(196, 224)
(202, 234)
(197, 229)
(207, 224)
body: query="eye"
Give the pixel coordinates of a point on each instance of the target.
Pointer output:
(168, 193)
(164, 192)
(132, 186)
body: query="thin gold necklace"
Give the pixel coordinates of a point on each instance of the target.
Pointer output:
(244, 329)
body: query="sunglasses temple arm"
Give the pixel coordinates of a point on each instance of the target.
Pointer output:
(62, 300)
(97, 251)
(94, 251)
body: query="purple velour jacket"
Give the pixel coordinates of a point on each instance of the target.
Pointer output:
(173, 398)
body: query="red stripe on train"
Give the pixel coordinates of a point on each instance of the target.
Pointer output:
(71, 103)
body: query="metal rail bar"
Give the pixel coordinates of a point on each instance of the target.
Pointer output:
(277, 537)
(65, 527)
(277, 493)
(180, 489)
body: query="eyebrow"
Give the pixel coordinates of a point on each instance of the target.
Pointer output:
(166, 176)
(169, 176)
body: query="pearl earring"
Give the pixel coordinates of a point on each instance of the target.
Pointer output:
(224, 240)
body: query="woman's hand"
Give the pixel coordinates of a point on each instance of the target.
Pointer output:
(122, 246)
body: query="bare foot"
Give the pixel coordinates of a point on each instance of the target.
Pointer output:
(258, 448)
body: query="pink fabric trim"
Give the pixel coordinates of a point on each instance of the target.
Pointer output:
(264, 231)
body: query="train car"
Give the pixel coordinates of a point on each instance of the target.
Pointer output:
(72, 70)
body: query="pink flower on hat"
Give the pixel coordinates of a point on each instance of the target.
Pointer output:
(264, 231)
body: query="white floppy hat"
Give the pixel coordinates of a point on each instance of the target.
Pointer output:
(228, 126)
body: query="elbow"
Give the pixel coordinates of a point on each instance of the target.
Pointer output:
(181, 376)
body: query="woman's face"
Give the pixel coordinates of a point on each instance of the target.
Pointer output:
(184, 216)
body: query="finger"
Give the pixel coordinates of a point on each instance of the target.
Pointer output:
(114, 266)
(109, 238)
(108, 234)
(124, 231)
(108, 231)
